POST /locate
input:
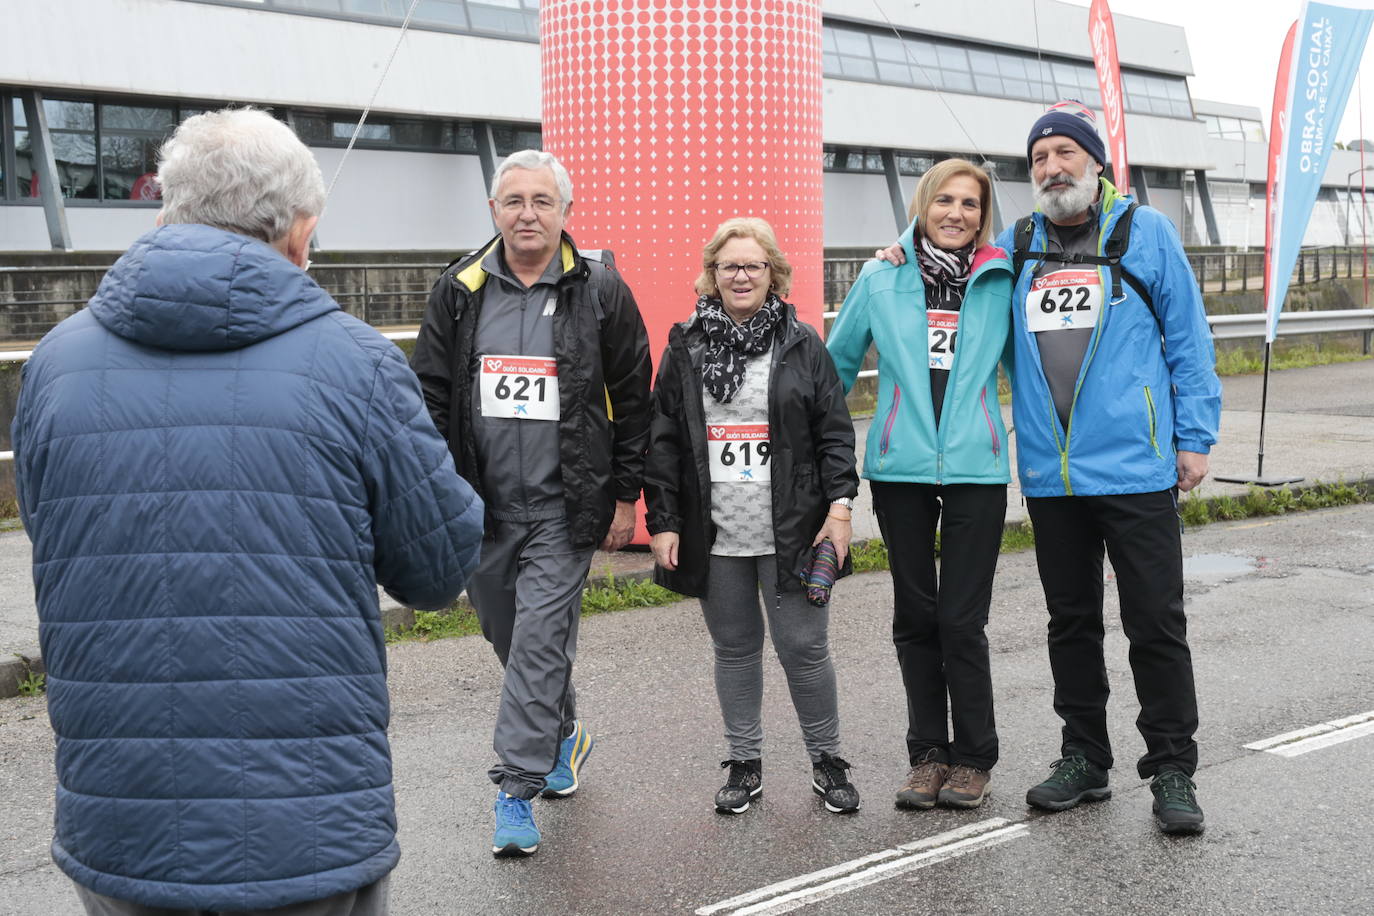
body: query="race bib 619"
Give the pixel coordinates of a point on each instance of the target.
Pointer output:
(739, 453)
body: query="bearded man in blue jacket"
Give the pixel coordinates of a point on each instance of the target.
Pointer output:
(216, 466)
(1116, 403)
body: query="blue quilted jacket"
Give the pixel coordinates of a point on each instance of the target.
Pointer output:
(216, 465)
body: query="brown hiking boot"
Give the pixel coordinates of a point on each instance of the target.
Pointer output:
(922, 786)
(965, 787)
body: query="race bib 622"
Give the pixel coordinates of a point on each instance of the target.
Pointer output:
(1064, 300)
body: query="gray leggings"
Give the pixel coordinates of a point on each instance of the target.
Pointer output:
(799, 632)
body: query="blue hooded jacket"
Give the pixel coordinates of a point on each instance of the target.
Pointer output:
(1147, 386)
(216, 466)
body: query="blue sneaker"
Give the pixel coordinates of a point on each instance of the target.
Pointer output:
(516, 834)
(572, 753)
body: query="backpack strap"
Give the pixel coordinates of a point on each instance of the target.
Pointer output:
(1021, 239)
(597, 262)
(1113, 251)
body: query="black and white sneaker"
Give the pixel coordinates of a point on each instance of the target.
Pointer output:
(744, 783)
(830, 781)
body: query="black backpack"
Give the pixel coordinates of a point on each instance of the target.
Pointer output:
(1113, 252)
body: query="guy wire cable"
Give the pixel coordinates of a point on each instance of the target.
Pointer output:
(906, 51)
(357, 128)
(1039, 58)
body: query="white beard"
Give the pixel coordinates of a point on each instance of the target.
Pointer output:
(1067, 203)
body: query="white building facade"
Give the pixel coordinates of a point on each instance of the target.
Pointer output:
(104, 82)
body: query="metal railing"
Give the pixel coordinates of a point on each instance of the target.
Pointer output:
(1229, 271)
(34, 299)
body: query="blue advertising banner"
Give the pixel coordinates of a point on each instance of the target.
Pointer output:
(1326, 55)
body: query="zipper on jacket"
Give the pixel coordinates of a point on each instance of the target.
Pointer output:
(888, 424)
(992, 429)
(1150, 412)
(1082, 371)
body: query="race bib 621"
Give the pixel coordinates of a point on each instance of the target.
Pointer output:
(519, 387)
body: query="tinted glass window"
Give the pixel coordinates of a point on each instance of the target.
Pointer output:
(131, 136)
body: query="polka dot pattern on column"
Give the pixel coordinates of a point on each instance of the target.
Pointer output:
(674, 116)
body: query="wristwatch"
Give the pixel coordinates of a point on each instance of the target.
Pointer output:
(843, 501)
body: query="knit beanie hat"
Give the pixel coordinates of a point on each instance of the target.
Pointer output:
(1072, 119)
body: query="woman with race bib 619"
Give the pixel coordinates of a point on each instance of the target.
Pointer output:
(750, 470)
(937, 455)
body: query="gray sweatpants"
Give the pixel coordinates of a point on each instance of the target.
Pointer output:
(370, 900)
(527, 592)
(800, 637)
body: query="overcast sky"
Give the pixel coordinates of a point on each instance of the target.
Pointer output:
(1235, 48)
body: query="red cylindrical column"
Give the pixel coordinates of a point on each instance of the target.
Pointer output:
(673, 116)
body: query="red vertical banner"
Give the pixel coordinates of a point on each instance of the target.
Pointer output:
(1102, 33)
(674, 116)
(1278, 126)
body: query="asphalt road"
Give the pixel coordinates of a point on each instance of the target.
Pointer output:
(1282, 628)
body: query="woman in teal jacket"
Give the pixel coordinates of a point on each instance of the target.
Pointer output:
(937, 453)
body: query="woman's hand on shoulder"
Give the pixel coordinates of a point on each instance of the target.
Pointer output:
(664, 546)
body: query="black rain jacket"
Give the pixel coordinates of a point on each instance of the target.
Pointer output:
(812, 441)
(601, 349)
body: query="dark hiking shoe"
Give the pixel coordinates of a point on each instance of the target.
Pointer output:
(744, 783)
(830, 782)
(923, 783)
(965, 787)
(1075, 780)
(1176, 808)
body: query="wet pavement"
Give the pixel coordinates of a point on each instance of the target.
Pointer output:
(1320, 426)
(1283, 641)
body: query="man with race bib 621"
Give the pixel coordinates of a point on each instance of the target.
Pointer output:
(535, 366)
(1116, 403)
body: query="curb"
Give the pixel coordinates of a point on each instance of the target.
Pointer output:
(14, 669)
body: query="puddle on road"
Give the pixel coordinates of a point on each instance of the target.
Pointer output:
(1219, 566)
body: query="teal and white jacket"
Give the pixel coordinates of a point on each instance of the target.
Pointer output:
(1138, 398)
(886, 307)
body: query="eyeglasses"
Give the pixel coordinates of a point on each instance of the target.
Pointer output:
(751, 269)
(540, 204)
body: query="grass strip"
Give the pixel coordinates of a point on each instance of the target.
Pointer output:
(871, 555)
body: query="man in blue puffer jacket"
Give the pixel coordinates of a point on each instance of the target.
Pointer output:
(216, 465)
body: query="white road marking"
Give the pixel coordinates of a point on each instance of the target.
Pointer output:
(1316, 737)
(785, 896)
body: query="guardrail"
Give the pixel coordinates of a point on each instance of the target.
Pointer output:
(33, 299)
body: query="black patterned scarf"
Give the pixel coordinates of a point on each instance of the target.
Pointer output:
(945, 273)
(728, 343)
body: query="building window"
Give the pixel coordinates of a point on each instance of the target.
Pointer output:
(849, 159)
(72, 128)
(852, 52)
(1234, 128)
(1164, 179)
(1007, 169)
(509, 17)
(501, 18)
(130, 138)
(914, 164)
(508, 138)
